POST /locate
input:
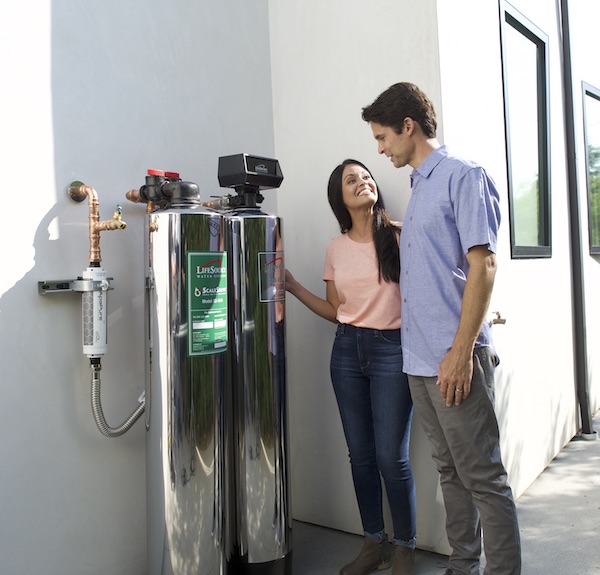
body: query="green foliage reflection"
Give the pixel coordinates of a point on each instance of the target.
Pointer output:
(594, 194)
(527, 214)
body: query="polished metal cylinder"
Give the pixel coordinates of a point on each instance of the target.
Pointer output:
(186, 353)
(257, 378)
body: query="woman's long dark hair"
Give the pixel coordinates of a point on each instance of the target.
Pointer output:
(385, 232)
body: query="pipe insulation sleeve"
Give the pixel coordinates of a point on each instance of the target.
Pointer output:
(103, 426)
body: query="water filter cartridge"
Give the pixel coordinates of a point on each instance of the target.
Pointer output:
(94, 312)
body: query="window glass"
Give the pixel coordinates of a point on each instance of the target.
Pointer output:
(526, 121)
(592, 143)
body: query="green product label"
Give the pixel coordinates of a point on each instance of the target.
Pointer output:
(271, 274)
(207, 302)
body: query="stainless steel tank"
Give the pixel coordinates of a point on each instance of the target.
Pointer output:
(185, 393)
(259, 491)
(257, 377)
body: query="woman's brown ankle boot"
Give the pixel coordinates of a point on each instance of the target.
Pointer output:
(404, 561)
(373, 556)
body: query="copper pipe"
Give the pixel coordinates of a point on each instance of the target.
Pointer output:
(78, 191)
(136, 197)
(220, 203)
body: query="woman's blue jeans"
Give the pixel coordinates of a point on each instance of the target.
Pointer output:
(376, 411)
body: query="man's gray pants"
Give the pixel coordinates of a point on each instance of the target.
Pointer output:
(466, 449)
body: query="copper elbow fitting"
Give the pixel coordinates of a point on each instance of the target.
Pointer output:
(78, 191)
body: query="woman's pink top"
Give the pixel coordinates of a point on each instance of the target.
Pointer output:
(364, 301)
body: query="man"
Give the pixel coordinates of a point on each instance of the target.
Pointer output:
(447, 270)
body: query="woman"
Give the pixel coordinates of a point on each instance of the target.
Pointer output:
(362, 271)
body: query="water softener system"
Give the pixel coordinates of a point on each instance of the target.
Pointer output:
(215, 400)
(186, 351)
(256, 369)
(218, 495)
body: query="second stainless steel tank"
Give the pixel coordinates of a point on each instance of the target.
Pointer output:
(257, 376)
(259, 489)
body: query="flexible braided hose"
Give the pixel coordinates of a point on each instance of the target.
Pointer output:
(104, 428)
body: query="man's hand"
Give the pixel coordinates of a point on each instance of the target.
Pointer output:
(456, 369)
(454, 376)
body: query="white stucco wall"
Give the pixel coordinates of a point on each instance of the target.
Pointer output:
(329, 62)
(535, 396)
(345, 54)
(99, 92)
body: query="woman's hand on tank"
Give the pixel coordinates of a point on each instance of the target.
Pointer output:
(290, 281)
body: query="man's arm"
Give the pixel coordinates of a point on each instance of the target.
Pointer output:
(456, 369)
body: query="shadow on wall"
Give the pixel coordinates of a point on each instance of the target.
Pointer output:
(35, 343)
(37, 333)
(51, 446)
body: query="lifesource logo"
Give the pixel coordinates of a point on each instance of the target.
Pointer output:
(211, 268)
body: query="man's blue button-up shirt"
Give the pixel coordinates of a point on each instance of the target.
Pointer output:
(454, 206)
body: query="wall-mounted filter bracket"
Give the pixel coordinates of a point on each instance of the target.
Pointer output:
(79, 285)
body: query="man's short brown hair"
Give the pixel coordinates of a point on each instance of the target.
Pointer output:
(402, 100)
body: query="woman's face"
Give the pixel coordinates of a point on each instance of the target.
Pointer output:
(358, 188)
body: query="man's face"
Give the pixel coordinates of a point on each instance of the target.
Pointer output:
(395, 146)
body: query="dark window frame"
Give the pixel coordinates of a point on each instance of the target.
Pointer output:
(510, 16)
(592, 92)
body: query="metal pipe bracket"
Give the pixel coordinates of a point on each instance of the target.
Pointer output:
(79, 285)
